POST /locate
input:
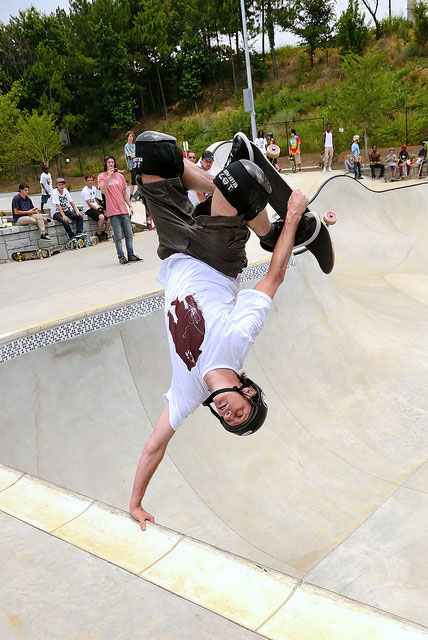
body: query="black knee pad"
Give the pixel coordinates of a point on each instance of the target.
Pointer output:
(158, 154)
(245, 187)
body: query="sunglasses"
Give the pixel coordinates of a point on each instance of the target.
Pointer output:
(192, 157)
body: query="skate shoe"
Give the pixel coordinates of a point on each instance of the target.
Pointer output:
(308, 229)
(241, 149)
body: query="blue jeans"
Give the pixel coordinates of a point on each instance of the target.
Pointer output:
(357, 169)
(121, 224)
(72, 216)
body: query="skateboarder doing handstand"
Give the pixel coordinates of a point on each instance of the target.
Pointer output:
(210, 324)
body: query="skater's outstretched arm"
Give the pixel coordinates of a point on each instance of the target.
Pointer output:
(153, 452)
(269, 284)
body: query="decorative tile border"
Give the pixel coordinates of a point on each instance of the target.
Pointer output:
(102, 320)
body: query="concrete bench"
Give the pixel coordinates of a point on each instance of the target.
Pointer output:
(27, 237)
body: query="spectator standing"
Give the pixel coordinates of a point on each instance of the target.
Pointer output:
(261, 141)
(205, 162)
(45, 185)
(349, 162)
(93, 209)
(391, 160)
(271, 140)
(63, 210)
(375, 163)
(118, 208)
(327, 147)
(294, 149)
(129, 151)
(191, 155)
(357, 157)
(24, 212)
(404, 162)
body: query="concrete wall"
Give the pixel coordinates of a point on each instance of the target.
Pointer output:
(27, 237)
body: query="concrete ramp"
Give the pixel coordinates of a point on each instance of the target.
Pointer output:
(334, 488)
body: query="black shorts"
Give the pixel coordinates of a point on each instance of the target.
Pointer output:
(95, 215)
(219, 241)
(133, 176)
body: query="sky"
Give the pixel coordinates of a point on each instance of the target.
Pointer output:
(7, 8)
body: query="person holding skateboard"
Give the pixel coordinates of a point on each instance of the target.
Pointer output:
(210, 324)
(294, 144)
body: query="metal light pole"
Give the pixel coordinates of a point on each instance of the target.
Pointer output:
(248, 93)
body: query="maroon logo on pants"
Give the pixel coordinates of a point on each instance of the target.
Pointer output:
(187, 330)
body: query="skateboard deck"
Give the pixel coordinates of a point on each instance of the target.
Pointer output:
(79, 243)
(36, 254)
(322, 247)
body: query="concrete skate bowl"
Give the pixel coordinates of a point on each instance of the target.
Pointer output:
(334, 488)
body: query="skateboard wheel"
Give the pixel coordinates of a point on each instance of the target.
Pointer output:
(330, 217)
(273, 151)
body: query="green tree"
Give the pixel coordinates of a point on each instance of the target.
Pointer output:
(40, 138)
(156, 28)
(369, 88)
(10, 144)
(420, 20)
(312, 23)
(352, 33)
(113, 68)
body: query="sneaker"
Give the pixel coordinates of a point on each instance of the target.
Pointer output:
(104, 236)
(80, 235)
(134, 258)
(123, 260)
(44, 236)
(307, 231)
(241, 149)
(324, 170)
(329, 169)
(373, 178)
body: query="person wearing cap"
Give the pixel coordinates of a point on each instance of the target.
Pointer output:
(404, 162)
(391, 160)
(205, 162)
(210, 324)
(64, 210)
(24, 212)
(355, 150)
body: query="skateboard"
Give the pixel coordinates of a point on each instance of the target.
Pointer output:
(321, 247)
(83, 241)
(421, 167)
(293, 163)
(36, 254)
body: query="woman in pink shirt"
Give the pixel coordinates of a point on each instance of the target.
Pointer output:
(113, 185)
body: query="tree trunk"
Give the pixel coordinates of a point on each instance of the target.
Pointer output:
(271, 37)
(235, 90)
(263, 33)
(152, 96)
(161, 90)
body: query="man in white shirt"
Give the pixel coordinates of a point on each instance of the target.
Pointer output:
(45, 185)
(63, 209)
(210, 323)
(205, 162)
(93, 208)
(327, 147)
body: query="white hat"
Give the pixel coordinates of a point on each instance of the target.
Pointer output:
(356, 138)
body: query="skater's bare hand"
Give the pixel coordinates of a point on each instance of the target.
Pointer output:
(297, 204)
(141, 516)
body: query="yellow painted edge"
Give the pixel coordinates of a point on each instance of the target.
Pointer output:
(419, 631)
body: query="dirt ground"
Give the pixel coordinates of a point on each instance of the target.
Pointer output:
(309, 160)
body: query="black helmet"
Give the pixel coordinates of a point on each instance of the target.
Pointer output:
(258, 411)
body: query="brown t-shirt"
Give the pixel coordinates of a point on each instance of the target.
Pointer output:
(374, 157)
